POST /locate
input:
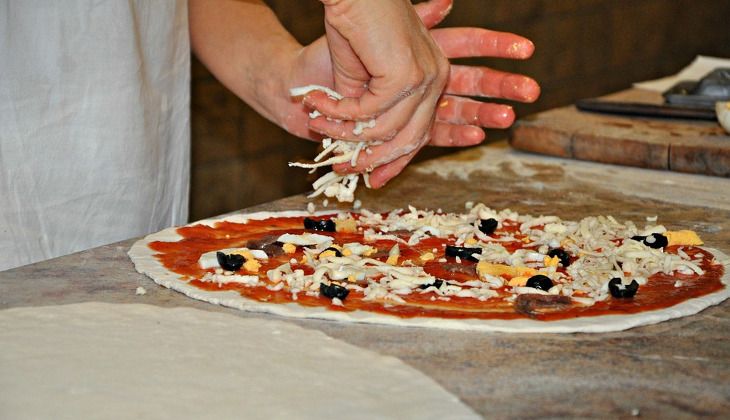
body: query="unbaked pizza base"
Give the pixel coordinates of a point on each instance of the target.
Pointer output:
(146, 263)
(101, 361)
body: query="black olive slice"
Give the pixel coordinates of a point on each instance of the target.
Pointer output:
(562, 255)
(488, 226)
(437, 284)
(628, 290)
(655, 240)
(333, 290)
(462, 252)
(324, 225)
(230, 262)
(540, 282)
(337, 251)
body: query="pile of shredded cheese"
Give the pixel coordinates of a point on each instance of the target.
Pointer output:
(332, 184)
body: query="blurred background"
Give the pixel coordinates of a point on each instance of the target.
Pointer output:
(584, 48)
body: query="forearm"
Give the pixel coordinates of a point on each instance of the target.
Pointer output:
(246, 48)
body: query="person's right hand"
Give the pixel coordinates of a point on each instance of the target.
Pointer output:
(459, 120)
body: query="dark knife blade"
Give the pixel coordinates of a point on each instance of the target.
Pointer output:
(645, 110)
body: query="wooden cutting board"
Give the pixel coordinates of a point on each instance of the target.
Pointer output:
(700, 147)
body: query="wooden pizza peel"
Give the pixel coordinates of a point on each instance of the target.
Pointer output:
(682, 145)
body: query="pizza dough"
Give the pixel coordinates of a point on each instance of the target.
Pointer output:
(97, 360)
(146, 263)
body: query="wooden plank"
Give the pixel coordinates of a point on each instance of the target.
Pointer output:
(680, 145)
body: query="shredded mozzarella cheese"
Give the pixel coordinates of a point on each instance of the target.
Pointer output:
(332, 184)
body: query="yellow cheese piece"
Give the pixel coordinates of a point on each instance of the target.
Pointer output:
(427, 256)
(347, 252)
(484, 268)
(371, 250)
(392, 260)
(520, 281)
(683, 237)
(244, 253)
(289, 248)
(327, 253)
(470, 241)
(251, 265)
(551, 261)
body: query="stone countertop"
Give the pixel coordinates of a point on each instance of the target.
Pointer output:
(677, 369)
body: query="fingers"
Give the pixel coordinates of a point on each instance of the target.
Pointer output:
(411, 138)
(457, 123)
(382, 174)
(433, 12)
(455, 135)
(478, 42)
(482, 81)
(382, 95)
(385, 129)
(465, 111)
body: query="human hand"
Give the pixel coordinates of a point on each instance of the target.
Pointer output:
(389, 68)
(414, 69)
(457, 120)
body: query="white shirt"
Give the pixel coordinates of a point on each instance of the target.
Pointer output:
(94, 123)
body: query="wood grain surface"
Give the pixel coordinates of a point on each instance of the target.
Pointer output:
(700, 147)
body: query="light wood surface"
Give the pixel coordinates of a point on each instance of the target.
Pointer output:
(680, 145)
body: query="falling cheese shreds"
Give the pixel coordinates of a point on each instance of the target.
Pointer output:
(339, 186)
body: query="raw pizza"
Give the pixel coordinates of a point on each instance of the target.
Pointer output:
(478, 270)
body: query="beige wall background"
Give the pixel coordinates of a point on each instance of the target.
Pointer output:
(584, 48)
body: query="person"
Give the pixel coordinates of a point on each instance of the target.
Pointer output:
(94, 101)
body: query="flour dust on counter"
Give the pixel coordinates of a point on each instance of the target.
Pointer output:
(114, 361)
(481, 269)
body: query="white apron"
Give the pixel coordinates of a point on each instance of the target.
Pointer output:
(94, 123)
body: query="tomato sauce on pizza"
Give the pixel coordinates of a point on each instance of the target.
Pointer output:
(481, 264)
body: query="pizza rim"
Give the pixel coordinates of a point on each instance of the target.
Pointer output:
(145, 262)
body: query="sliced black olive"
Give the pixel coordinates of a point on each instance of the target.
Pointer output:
(333, 290)
(324, 225)
(628, 290)
(230, 262)
(337, 251)
(437, 284)
(462, 252)
(562, 255)
(540, 282)
(488, 226)
(655, 240)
